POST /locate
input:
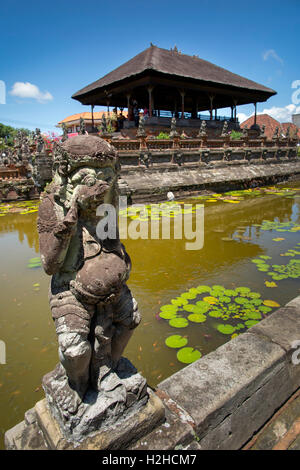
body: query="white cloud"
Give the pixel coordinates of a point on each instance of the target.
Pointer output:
(283, 114)
(242, 117)
(28, 90)
(271, 53)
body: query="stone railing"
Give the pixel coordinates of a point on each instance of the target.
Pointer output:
(154, 144)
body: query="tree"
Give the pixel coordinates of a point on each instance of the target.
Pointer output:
(7, 134)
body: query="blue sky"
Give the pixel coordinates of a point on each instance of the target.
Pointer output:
(55, 48)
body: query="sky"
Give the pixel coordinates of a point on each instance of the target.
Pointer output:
(50, 50)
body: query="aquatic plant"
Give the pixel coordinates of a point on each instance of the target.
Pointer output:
(279, 272)
(232, 311)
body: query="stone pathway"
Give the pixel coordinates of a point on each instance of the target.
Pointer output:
(282, 431)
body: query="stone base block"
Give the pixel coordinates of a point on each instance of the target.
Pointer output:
(44, 432)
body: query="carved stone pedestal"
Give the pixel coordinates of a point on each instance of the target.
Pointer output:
(105, 420)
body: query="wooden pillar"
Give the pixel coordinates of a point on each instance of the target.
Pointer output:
(254, 113)
(215, 114)
(150, 89)
(235, 103)
(211, 99)
(92, 109)
(182, 93)
(107, 104)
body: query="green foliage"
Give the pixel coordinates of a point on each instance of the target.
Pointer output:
(163, 135)
(235, 135)
(7, 134)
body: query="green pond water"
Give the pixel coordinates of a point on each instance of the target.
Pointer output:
(196, 299)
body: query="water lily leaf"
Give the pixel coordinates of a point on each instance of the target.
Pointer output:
(250, 323)
(243, 290)
(202, 289)
(254, 315)
(179, 322)
(210, 300)
(270, 284)
(226, 329)
(271, 303)
(197, 317)
(215, 313)
(188, 355)
(188, 295)
(179, 302)
(176, 341)
(189, 307)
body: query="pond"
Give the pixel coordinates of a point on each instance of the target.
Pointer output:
(191, 301)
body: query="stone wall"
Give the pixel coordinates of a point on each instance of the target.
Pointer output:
(17, 189)
(221, 400)
(204, 170)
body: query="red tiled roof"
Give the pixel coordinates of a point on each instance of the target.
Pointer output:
(86, 116)
(263, 120)
(293, 128)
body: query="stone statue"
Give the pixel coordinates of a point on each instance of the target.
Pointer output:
(225, 129)
(92, 307)
(262, 131)
(82, 130)
(65, 132)
(287, 134)
(276, 133)
(141, 129)
(103, 125)
(245, 131)
(173, 131)
(40, 144)
(202, 130)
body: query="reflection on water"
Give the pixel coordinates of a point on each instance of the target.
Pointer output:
(162, 270)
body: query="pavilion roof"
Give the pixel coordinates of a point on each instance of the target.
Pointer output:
(173, 63)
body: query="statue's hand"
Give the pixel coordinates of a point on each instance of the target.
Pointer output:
(68, 225)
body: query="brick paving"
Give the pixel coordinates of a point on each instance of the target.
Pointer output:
(282, 431)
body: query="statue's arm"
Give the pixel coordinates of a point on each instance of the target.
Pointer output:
(55, 234)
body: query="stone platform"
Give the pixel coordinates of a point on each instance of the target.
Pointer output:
(40, 431)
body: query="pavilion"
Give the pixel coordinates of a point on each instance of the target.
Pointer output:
(168, 83)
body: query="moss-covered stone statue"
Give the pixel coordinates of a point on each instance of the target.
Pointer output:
(92, 307)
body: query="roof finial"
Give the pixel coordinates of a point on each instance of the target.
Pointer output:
(175, 48)
(151, 44)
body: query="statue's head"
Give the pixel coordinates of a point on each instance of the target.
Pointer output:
(85, 166)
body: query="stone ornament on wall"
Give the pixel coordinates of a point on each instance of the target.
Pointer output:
(92, 307)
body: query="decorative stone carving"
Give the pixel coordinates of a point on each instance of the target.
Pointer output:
(40, 144)
(245, 131)
(276, 133)
(262, 131)
(103, 125)
(82, 129)
(203, 130)
(178, 158)
(92, 307)
(141, 129)
(173, 131)
(225, 129)
(145, 158)
(65, 132)
(287, 134)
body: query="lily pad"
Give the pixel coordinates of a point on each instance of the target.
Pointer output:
(226, 329)
(188, 355)
(176, 341)
(179, 322)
